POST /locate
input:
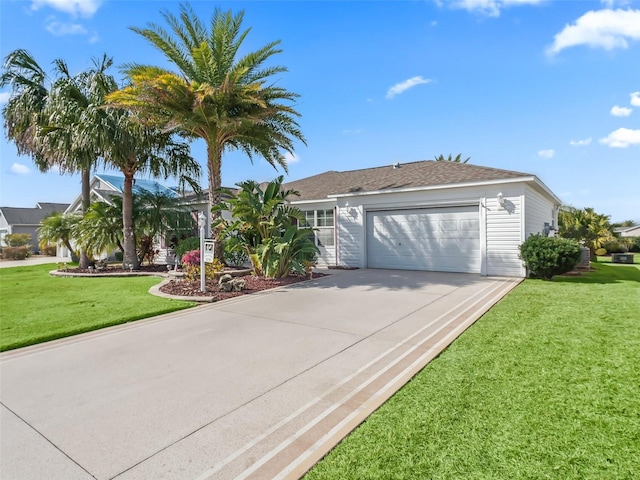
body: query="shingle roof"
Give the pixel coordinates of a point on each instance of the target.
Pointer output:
(31, 216)
(407, 175)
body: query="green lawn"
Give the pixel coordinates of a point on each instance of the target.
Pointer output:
(607, 259)
(36, 307)
(544, 386)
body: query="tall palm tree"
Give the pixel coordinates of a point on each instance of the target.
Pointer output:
(215, 95)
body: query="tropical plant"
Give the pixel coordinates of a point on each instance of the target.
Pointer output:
(99, 231)
(586, 226)
(17, 239)
(215, 95)
(58, 227)
(451, 158)
(265, 227)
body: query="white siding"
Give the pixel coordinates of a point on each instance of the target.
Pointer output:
(504, 235)
(538, 211)
(350, 236)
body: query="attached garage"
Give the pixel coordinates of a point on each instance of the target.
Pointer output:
(445, 239)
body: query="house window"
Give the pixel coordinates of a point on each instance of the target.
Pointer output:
(322, 223)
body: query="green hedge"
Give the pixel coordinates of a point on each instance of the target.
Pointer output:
(545, 256)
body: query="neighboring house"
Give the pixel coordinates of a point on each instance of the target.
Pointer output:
(104, 187)
(427, 215)
(628, 231)
(27, 220)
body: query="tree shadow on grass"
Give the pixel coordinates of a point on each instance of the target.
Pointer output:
(604, 274)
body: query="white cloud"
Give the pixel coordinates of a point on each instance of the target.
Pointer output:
(490, 8)
(580, 143)
(635, 99)
(19, 169)
(4, 97)
(617, 111)
(401, 87)
(622, 138)
(83, 8)
(612, 3)
(60, 29)
(547, 153)
(291, 158)
(606, 29)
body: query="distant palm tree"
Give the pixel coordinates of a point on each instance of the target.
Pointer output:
(585, 225)
(216, 95)
(58, 227)
(451, 158)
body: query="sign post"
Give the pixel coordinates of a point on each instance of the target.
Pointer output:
(202, 222)
(209, 248)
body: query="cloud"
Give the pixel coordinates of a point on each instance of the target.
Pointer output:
(606, 29)
(547, 153)
(20, 169)
(60, 29)
(489, 8)
(635, 99)
(401, 87)
(612, 3)
(291, 158)
(617, 111)
(4, 97)
(580, 143)
(82, 8)
(622, 138)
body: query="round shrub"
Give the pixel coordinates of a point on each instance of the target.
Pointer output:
(601, 251)
(545, 256)
(615, 247)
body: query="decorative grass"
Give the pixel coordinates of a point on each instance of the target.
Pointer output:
(36, 307)
(546, 385)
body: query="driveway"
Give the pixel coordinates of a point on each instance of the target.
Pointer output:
(260, 386)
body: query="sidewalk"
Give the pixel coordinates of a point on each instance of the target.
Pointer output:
(33, 260)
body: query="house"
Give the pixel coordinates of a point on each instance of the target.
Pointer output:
(27, 220)
(633, 231)
(426, 215)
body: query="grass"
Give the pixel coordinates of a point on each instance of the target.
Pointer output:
(607, 259)
(36, 307)
(546, 385)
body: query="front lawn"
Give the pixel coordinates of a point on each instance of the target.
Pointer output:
(36, 307)
(546, 385)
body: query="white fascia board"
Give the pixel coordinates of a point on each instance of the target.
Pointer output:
(108, 183)
(437, 187)
(322, 200)
(547, 190)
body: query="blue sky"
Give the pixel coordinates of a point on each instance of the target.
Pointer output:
(550, 88)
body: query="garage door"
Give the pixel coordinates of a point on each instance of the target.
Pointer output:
(435, 239)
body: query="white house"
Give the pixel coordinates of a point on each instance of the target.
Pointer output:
(427, 215)
(633, 231)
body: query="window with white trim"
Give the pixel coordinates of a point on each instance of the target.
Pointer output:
(323, 226)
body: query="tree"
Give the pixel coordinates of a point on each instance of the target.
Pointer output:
(100, 229)
(585, 225)
(451, 158)
(58, 227)
(57, 126)
(216, 95)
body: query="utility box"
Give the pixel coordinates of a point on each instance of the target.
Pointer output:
(622, 257)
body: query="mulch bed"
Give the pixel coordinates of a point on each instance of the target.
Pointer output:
(119, 269)
(252, 284)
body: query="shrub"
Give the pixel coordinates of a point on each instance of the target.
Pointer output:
(192, 271)
(48, 249)
(615, 247)
(601, 251)
(17, 239)
(545, 256)
(187, 244)
(635, 244)
(234, 253)
(192, 257)
(15, 253)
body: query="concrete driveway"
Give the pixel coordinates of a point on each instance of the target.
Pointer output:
(256, 387)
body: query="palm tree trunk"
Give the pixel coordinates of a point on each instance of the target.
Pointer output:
(86, 201)
(130, 256)
(214, 163)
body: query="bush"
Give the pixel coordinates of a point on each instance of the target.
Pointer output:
(17, 239)
(601, 251)
(635, 244)
(186, 245)
(48, 249)
(15, 253)
(191, 267)
(234, 253)
(615, 247)
(545, 256)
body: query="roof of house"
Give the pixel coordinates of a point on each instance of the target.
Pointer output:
(396, 177)
(139, 184)
(31, 216)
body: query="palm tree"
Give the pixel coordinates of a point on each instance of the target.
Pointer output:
(216, 95)
(58, 227)
(585, 225)
(100, 229)
(451, 158)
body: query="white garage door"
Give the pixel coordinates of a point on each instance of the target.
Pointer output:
(436, 239)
